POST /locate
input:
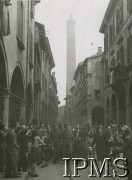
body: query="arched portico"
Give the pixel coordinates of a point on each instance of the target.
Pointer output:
(114, 109)
(17, 97)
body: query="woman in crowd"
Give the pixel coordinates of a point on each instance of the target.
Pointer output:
(35, 141)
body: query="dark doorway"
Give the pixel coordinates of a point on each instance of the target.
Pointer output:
(122, 107)
(17, 105)
(98, 115)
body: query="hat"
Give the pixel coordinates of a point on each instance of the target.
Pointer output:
(23, 127)
(127, 129)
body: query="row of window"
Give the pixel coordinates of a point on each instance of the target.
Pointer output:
(121, 56)
(114, 28)
(21, 21)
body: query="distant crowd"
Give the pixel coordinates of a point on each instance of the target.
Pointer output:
(23, 148)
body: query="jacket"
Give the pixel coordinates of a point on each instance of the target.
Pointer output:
(12, 146)
(2, 141)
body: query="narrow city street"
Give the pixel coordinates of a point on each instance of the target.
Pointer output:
(65, 89)
(56, 171)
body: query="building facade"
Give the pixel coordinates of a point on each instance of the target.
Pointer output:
(25, 63)
(39, 50)
(16, 58)
(117, 60)
(45, 85)
(53, 101)
(87, 95)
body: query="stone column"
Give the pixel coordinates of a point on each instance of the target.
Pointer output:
(4, 106)
(106, 117)
(114, 115)
(89, 111)
(29, 113)
(21, 113)
(121, 115)
(129, 115)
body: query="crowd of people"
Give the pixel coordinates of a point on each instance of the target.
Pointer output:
(23, 148)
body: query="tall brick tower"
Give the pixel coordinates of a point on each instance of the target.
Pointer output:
(71, 53)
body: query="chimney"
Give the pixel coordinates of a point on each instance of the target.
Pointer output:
(99, 50)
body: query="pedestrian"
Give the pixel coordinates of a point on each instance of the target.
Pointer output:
(101, 144)
(44, 150)
(55, 144)
(35, 140)
(12, 153)
(23, 141)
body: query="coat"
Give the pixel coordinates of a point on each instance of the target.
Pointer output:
(12, 146)
(2, 141)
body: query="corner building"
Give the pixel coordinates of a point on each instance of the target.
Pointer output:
(117, 60)
(86, 101)
(16, 60)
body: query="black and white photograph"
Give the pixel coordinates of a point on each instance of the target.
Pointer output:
(66, 89)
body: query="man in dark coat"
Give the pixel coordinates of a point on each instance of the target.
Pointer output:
(101, 144)
(12, 152)
(23, 147)
(2, 146)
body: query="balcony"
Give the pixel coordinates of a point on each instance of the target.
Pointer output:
(118, 78)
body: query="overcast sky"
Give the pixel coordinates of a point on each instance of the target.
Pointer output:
(88, 15)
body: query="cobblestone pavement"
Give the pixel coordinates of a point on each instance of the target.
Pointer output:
(56, 171)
